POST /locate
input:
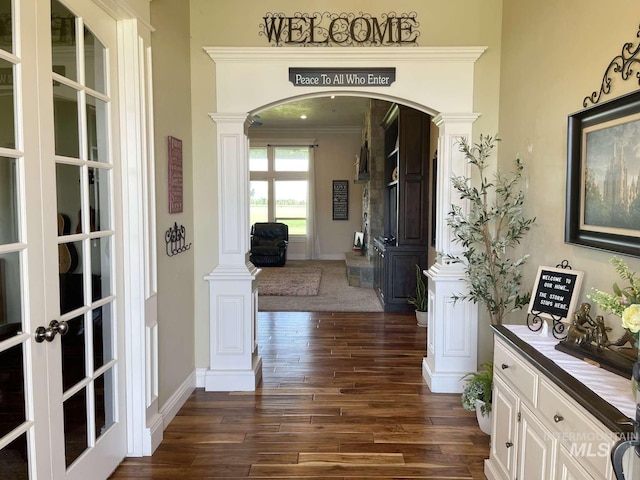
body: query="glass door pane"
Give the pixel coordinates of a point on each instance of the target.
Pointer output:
(8, 201)
(13, 393)
(7, 104)
(6, 33)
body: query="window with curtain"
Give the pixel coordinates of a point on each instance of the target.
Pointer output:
(279, 186)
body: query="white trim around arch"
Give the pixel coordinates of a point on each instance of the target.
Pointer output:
(437, 80)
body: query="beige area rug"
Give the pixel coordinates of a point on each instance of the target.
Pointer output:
(334, 295)
(284, 281)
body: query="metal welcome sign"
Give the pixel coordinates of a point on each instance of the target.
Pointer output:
(340, 29)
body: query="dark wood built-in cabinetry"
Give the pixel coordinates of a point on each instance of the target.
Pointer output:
(406, 207)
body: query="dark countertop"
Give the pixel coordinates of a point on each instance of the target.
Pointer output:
(601, 410)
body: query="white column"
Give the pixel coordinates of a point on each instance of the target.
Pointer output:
(234, 360)
(452, 331)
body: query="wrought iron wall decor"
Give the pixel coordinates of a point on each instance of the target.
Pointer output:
(176, 241)
(622, 64)
(340, 29)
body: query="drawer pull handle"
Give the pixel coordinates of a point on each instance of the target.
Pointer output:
(558, 418)
(509, 444)
(504, 366)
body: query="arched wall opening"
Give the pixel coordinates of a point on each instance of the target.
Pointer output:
(350, 93)
(337, 127)
(440, 78)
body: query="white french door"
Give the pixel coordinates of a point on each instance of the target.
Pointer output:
(62, 410)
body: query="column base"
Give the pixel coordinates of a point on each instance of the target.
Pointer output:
(234, 380)
(234, 362)
(452, 332)
(442, 382)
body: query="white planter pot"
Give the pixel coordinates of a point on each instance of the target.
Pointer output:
(484, 421)
(421, 317)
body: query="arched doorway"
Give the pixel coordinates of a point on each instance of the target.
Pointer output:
(428, 79)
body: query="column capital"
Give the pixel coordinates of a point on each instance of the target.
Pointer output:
(233, 118)
(446, 118)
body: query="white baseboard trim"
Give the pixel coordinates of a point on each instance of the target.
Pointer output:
(160, 421)
(201, 373)
(173, 405)
(152, 435)
(489, 471)
(324, 256)
(331, 256)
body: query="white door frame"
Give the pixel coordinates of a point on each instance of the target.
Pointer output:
(144, 423)
(436, 80)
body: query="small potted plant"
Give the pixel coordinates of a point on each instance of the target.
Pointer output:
(420, 301)
(477, 395)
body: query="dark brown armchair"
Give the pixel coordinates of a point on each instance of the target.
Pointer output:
(269, 241)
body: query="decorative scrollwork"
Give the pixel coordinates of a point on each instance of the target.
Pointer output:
(622, 64)
(176, 241)
(559, 329)
(534, 322)
(341, 29)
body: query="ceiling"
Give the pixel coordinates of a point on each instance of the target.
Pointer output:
(321, 112)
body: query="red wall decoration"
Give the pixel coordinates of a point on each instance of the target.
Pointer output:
(175, 175)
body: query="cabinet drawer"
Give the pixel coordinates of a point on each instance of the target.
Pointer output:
(515, 371)
(586, 441)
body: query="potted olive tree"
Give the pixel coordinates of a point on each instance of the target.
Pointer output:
(420, 301)
(489, 231)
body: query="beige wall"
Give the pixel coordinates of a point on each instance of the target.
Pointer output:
(221, 23)
(542, 59)
(334, 159)
(172, 100)
(553, 55)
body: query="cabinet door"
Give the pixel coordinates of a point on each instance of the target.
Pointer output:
(536, 447)
(504, 437)
(567, 468)
(413, 178)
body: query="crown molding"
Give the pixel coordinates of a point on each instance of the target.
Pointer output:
(350, 54)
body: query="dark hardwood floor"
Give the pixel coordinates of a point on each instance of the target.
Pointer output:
(342, 397)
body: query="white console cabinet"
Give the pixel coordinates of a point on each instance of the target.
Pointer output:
(539, 430)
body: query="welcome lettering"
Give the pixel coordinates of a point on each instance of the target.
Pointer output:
(344, 29)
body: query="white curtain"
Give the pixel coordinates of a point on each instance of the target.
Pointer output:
(313, 242)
